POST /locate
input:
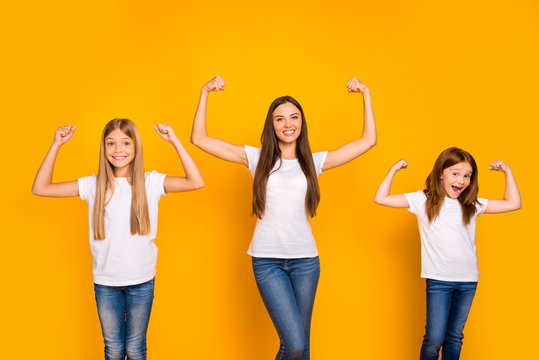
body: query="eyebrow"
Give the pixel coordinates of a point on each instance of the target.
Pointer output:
(296, 113)
(111, 138)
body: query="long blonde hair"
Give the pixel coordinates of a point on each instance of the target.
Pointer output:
(140, 219)
(435, 191)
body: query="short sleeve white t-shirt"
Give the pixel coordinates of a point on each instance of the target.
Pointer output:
(284, 230)
(123, 259)
(448, 251)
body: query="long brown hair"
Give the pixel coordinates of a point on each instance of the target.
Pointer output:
(271, 152)
(140, 219)
(435, 191)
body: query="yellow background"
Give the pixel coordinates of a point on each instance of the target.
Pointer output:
(460, 73)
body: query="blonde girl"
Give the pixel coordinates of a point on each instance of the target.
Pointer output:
(122, 214)
(446, 213)
(285, 193)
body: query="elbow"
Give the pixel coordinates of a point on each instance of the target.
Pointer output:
(197, 139)
(377, 200)
(36, 191)
(194, 140)
(198, 185)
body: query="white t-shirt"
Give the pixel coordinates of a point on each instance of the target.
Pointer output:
(448, 250)
(284, 231)
(123, 259)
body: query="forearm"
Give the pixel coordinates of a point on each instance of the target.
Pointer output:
(44, 174)
(369, 124)
(192, 173)
(199, 131)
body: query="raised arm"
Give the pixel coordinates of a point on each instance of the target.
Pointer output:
(511, 197)
(43, 185)
(199, 135)
(193, 178)
(383, 196)
(367, 140)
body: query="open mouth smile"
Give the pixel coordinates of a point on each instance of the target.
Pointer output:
(289, 132)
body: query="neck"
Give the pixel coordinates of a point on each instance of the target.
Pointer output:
(121, 173)
(288, 150)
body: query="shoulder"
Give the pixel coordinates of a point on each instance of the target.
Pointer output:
(155, 182)
(87, 186)
(253, 154)
(320, 156)
(416, 201)
(481, 206)
(87, 180)
(251, 150)
(153, 174)
(153, 177)
(416, 196)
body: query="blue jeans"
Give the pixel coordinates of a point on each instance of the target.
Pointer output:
(124, 313)
(448, 306)
(288, 288)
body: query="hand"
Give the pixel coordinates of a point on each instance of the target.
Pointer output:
(401, 164)
(166, 132)
(354, 85)
(215, 84)
(498, 165)
(63, 134)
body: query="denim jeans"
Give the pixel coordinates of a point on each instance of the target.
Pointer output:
(124, 313)
(448, 305)
(288, 288)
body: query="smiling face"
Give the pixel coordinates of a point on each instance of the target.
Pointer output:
(287, 123)
(120, 152)
(456, 178)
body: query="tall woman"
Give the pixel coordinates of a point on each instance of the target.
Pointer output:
(285, 194)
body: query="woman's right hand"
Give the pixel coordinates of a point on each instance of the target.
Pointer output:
(63, 134)
(401, 164)
(215, 84)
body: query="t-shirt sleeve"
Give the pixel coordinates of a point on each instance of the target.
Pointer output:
(253, 154)
(319, 158)
(416, 200)
(87, 186)
(155, 183)
(481, 206)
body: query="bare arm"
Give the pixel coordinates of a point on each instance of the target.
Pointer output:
(352, 150)
(193, 178)
(383, 196)
(199, 135)
(43, 185)
(511, 197)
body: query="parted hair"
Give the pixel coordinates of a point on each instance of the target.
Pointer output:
(271, 153)
(139, 220)
(435, 191)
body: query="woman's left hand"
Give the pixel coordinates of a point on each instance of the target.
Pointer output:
(354, 85)
(166, 132)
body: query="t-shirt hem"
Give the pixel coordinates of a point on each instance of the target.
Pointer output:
(448, 278)
(282, 256)
(108, 282)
